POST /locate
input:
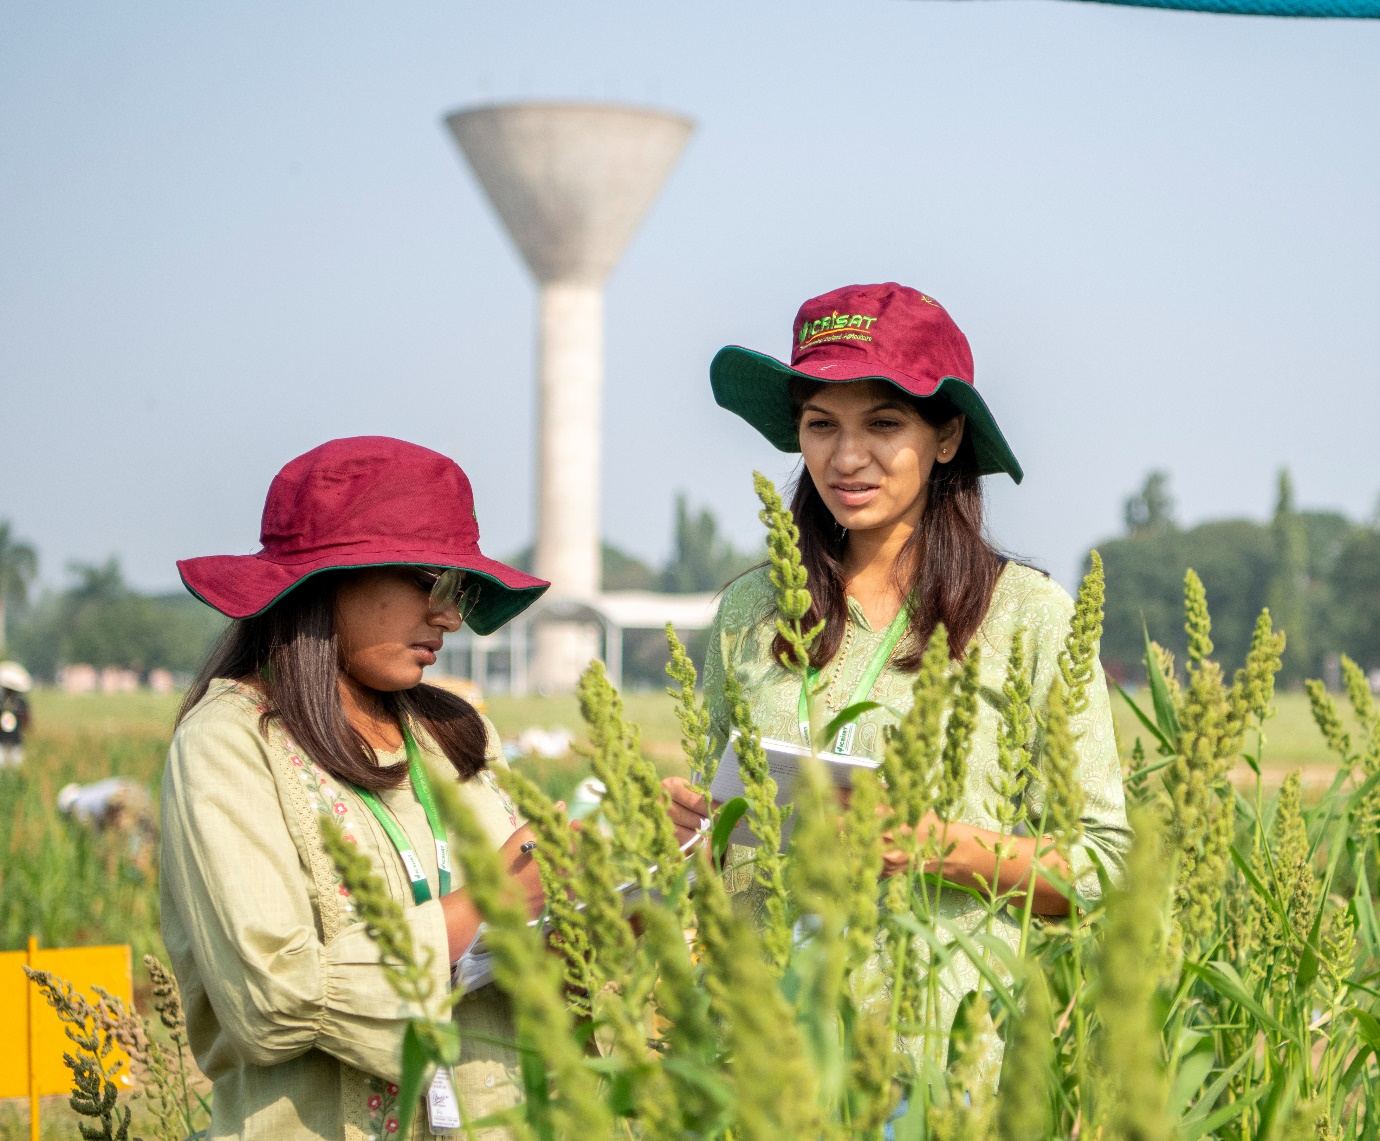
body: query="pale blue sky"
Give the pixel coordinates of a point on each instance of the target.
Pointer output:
(231, 231)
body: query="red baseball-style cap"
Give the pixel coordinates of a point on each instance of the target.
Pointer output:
(884, 332)
(365, 501)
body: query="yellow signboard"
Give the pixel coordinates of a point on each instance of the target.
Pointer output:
(31, 1062)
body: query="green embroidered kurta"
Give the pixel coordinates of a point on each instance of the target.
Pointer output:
(740, 640)
(288, 1010)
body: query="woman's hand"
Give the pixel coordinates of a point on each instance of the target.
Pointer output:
(896, 859)
(462, 916)
(522, 866)
(688, 809)
(977, 857)
(962, 855)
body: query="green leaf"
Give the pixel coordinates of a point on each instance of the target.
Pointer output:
(1363, 904)
(1166, 716)
(725, 820)
(1138, 775)
(961, 1028)
(1337, 817)
(418, 1058)
(621, 1092)
(1308, 963)
(846, 717)
(1183, 1044)
(1248, 873)
(1222, 977)
(701, 1076)
(1192, 1072)
(1357, 1070)
(536, 1092)
(447, 1038)
(1210, 1125)
(943, 935)
(1367, 1026)
(1202, 1119)
(1279, 1099)
(1144, 719)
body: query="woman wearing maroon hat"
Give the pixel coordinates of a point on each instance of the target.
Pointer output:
(879, 400)
(313, 704)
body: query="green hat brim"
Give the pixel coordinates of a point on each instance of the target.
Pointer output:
(757, 388)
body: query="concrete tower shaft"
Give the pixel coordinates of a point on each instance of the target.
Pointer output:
(570, 183)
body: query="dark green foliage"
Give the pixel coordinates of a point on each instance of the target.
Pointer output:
(1145, 576)
(701, 558)
(1317, 571)
(100, 620)
(1354, 585)
(620, 570)
(18, 566)
(1151, 510)
(1291, 586)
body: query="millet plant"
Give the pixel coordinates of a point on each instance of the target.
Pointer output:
(1223, 984)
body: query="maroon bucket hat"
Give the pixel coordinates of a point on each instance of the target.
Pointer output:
(884, 332)
(366, 501)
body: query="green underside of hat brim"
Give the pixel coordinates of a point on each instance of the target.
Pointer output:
(757, 388)
(498, 603)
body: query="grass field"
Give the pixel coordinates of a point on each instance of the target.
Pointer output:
(1292, 740)
(69, 887)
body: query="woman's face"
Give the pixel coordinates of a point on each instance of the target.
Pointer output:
(870, 453)
(388, 628)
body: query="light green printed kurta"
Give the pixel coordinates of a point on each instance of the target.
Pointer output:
(288, 1010)
(740, 640)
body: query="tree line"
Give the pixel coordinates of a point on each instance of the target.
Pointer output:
(1317, 571)
(99, 619)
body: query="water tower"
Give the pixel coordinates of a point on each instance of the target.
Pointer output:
(570, 182)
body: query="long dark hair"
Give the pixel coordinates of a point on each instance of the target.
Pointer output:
(953, 568)
(291, 653)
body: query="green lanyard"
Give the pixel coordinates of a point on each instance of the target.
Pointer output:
(843, 744)
(421, 890)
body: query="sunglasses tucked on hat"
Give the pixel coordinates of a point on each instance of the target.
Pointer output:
(884, 332)
(366, 501)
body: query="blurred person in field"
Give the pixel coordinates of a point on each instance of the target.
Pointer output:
(14, 713)
(119, 810)
(312, 706)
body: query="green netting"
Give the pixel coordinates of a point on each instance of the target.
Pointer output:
(1323, 9)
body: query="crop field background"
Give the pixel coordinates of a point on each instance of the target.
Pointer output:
(69, 886)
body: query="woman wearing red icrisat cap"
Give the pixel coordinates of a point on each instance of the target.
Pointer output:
(879, 400)
(313, 704)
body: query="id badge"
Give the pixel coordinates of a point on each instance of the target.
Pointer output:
(442, 1106)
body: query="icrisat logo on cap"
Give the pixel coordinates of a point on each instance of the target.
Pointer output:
(836, 327)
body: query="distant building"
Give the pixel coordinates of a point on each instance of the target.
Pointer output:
(78, 678)
(608, 614)
(116, 679)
